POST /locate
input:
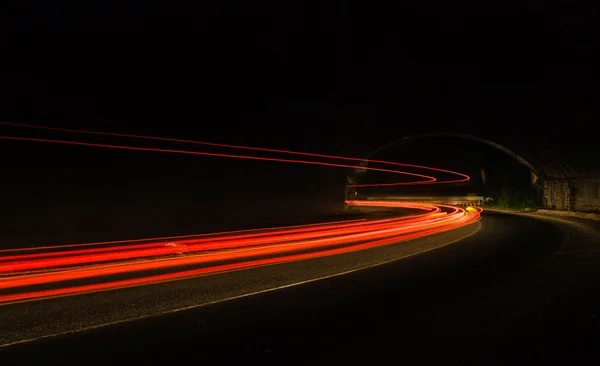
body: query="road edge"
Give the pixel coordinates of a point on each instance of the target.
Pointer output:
(475, 228)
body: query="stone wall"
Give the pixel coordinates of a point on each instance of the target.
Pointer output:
(587, 196)
(575, 194)
(557, 194)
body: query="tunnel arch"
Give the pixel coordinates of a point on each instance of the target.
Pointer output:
(534, 167)
(518, 157)
(563, 165)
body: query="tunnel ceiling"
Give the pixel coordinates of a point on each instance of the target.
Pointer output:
(548, 158)
(555, 158)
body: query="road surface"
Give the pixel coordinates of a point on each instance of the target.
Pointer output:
(520, 289)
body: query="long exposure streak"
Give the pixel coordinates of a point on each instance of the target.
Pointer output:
(429, 179)
(48, 271)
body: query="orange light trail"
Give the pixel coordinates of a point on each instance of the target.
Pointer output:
(225, 253)
(22, 262)
(169, 238)
(34, 273)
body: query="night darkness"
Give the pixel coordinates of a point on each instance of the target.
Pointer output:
(339, 78)
(151, 253)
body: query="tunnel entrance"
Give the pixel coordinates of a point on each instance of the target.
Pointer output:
(499, 176)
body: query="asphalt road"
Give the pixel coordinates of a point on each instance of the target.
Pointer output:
(520, 289)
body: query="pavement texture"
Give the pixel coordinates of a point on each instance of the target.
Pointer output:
(523, 288)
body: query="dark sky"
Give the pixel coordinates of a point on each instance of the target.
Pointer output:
(328, 76)
(327, 69)
(334, 77)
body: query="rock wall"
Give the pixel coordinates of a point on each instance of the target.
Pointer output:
(587, 197)
(574, 194)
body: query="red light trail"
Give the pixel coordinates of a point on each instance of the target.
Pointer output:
(428, 179)
(43, 272)
(247, 157)
(105, 267)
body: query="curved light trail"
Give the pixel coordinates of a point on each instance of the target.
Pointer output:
(430, 179)
(427, 179)
(45, 273)
(28, 274)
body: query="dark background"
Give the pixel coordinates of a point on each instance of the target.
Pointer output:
(325, 77)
